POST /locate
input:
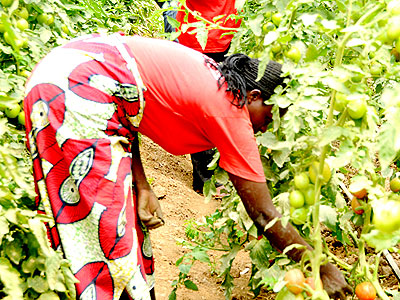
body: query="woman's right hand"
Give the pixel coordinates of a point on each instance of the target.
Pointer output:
(149, 209)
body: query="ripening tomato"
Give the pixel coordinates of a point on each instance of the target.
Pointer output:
(355, 204)
(395, 184)
(295, 281)
(296, 199)
(313, 171)
(311, 282)
(365, 291)
(294, 54)
(358, 189)
(387, 216)
(301, 181)
(357, 108)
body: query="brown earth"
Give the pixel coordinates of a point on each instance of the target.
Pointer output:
(171, 179)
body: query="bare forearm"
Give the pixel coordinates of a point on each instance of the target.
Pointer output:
(257, 200)
(137, 167)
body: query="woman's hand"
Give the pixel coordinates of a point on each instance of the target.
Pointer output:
(149, 209)
(333, 281)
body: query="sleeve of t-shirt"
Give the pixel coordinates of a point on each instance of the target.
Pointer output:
(234, 139)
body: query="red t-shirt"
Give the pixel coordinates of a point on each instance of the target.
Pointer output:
(208, 10)
(185, 112)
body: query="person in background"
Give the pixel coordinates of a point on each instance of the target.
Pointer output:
(85, 104)
(217, 46)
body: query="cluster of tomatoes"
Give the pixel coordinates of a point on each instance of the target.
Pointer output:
(303, 194)
(18, 22)
(271, 21)
(300, 286)
(386, 214)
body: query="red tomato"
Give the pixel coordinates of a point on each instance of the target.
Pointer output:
(355, 204)
(295, 281)
(365, 291)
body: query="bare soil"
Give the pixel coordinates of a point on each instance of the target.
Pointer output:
(171, 179)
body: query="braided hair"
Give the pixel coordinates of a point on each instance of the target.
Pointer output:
(240, 73)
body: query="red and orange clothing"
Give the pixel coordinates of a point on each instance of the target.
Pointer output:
(84, 104)
(218, 40)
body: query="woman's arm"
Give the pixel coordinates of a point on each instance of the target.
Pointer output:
(149, 208)
(258, 203)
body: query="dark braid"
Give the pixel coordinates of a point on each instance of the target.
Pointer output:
(240, 73)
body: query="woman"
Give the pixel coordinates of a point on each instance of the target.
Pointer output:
(85, 103)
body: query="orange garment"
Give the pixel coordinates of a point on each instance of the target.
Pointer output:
(186, 112)
(208, 10)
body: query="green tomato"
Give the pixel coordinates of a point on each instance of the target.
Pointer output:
(296, 199)
(393, 7)
(294, 54)
(22, 13)
(50, 20)
(2, 28)
(276, 48)
(42, 18)
(387, 216)
(313, 171)
(309, 195)
(267, 27)
(22, 24)
(301, 181)
(393, 30)
(298, 215)
(7, 3)
(311, 53)
(340, 102)
(8, 38)
(277, 18)
(357, 108)
(65, 29)
(21, 118)
(13, 111)
(376, 69)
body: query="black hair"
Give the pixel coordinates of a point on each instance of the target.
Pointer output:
(240, 73)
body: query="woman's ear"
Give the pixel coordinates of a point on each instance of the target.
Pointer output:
(253, 95)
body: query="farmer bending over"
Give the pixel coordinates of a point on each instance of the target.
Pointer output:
(85, 103)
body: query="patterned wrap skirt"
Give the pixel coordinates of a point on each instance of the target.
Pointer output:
(83, 104)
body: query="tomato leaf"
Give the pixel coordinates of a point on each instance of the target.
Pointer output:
(190, 285)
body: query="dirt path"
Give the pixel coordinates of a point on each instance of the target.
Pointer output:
(171, 179)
